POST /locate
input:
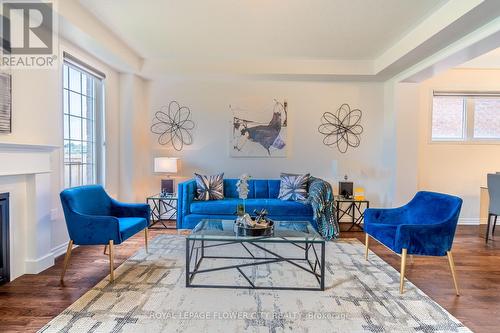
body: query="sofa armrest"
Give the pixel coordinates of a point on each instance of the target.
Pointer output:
(121, 209)
(93, 230)
(186, 192)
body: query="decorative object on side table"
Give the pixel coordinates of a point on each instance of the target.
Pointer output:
(173, 125)
(167, 165)
(346, 188)
(163, 208)
(342, 129)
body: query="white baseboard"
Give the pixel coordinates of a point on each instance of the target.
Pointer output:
(60, 249)
(35, 266)
(468, 221)
(461, 221)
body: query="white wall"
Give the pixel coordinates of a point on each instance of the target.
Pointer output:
(456, 168)
(37, 119)
(209, 102)
(135, 143)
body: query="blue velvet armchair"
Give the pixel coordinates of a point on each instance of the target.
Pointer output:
(94, 218)
(425, 226)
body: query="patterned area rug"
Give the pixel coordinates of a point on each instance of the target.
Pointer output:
(149, 295)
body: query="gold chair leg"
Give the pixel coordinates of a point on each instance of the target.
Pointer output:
(453, 273)
(105, 248)
(111, 264)
(402, 272)
(146, 238)
(367, 239)
(66, 259)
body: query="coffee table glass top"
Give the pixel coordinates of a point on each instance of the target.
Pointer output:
(284, 231)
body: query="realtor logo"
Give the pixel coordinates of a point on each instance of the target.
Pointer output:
(27, 28)
(27, 34)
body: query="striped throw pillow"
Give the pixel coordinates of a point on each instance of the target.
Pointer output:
(209, 187)
(293, 187)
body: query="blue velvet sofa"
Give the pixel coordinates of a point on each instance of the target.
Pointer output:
(263, 193)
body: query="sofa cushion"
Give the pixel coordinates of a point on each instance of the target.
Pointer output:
(293, 187)
(228, 206)
(257, 188)
(209, 187)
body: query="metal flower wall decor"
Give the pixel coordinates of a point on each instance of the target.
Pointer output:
(173, 125)
(342, 128)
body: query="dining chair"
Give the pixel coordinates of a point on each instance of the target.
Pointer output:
(494, 206)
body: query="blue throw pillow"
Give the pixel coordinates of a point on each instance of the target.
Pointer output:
(209, 187)
(293, 187)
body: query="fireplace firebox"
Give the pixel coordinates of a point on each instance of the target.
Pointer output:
(4, 239)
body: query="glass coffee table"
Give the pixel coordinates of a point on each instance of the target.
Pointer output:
(211, 237)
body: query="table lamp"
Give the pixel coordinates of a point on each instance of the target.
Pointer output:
(167, 165)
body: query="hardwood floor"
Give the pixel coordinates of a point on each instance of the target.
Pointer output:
(30, 301)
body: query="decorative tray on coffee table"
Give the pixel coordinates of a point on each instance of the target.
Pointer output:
(259, 226)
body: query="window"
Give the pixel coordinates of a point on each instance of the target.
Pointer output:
(83, 134)
(448, 118)
(465, 117)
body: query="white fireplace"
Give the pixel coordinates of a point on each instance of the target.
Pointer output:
(25, 173)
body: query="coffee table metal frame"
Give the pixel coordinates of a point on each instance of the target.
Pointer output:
(313, 261)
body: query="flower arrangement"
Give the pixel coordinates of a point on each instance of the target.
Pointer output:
(242, 186)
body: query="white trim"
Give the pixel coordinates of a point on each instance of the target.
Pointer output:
(29, 146)
(61, 249)
(35, 266)
(468, 221)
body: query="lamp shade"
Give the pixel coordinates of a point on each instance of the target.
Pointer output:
(165, 164)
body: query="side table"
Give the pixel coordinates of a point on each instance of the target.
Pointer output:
(163, 207)
(349, 207)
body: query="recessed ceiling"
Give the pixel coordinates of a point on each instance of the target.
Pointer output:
(490, 60)
(319, 29)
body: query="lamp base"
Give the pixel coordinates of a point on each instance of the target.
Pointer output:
(167, 186)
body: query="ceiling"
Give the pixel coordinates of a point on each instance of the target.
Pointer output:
(247, 29)
(490, 60)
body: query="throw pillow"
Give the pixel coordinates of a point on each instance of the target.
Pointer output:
(293, 187)
(209, 187)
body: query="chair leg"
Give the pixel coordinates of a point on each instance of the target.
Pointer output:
(146, 239)
(494, 225)
(66, 259)
(111, 264)
(367, 240)
(402, 272)
(488, 227)
(452, 268)
(105, 248)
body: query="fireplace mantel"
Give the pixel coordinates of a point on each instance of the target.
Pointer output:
(26, 147)
(25, 172)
